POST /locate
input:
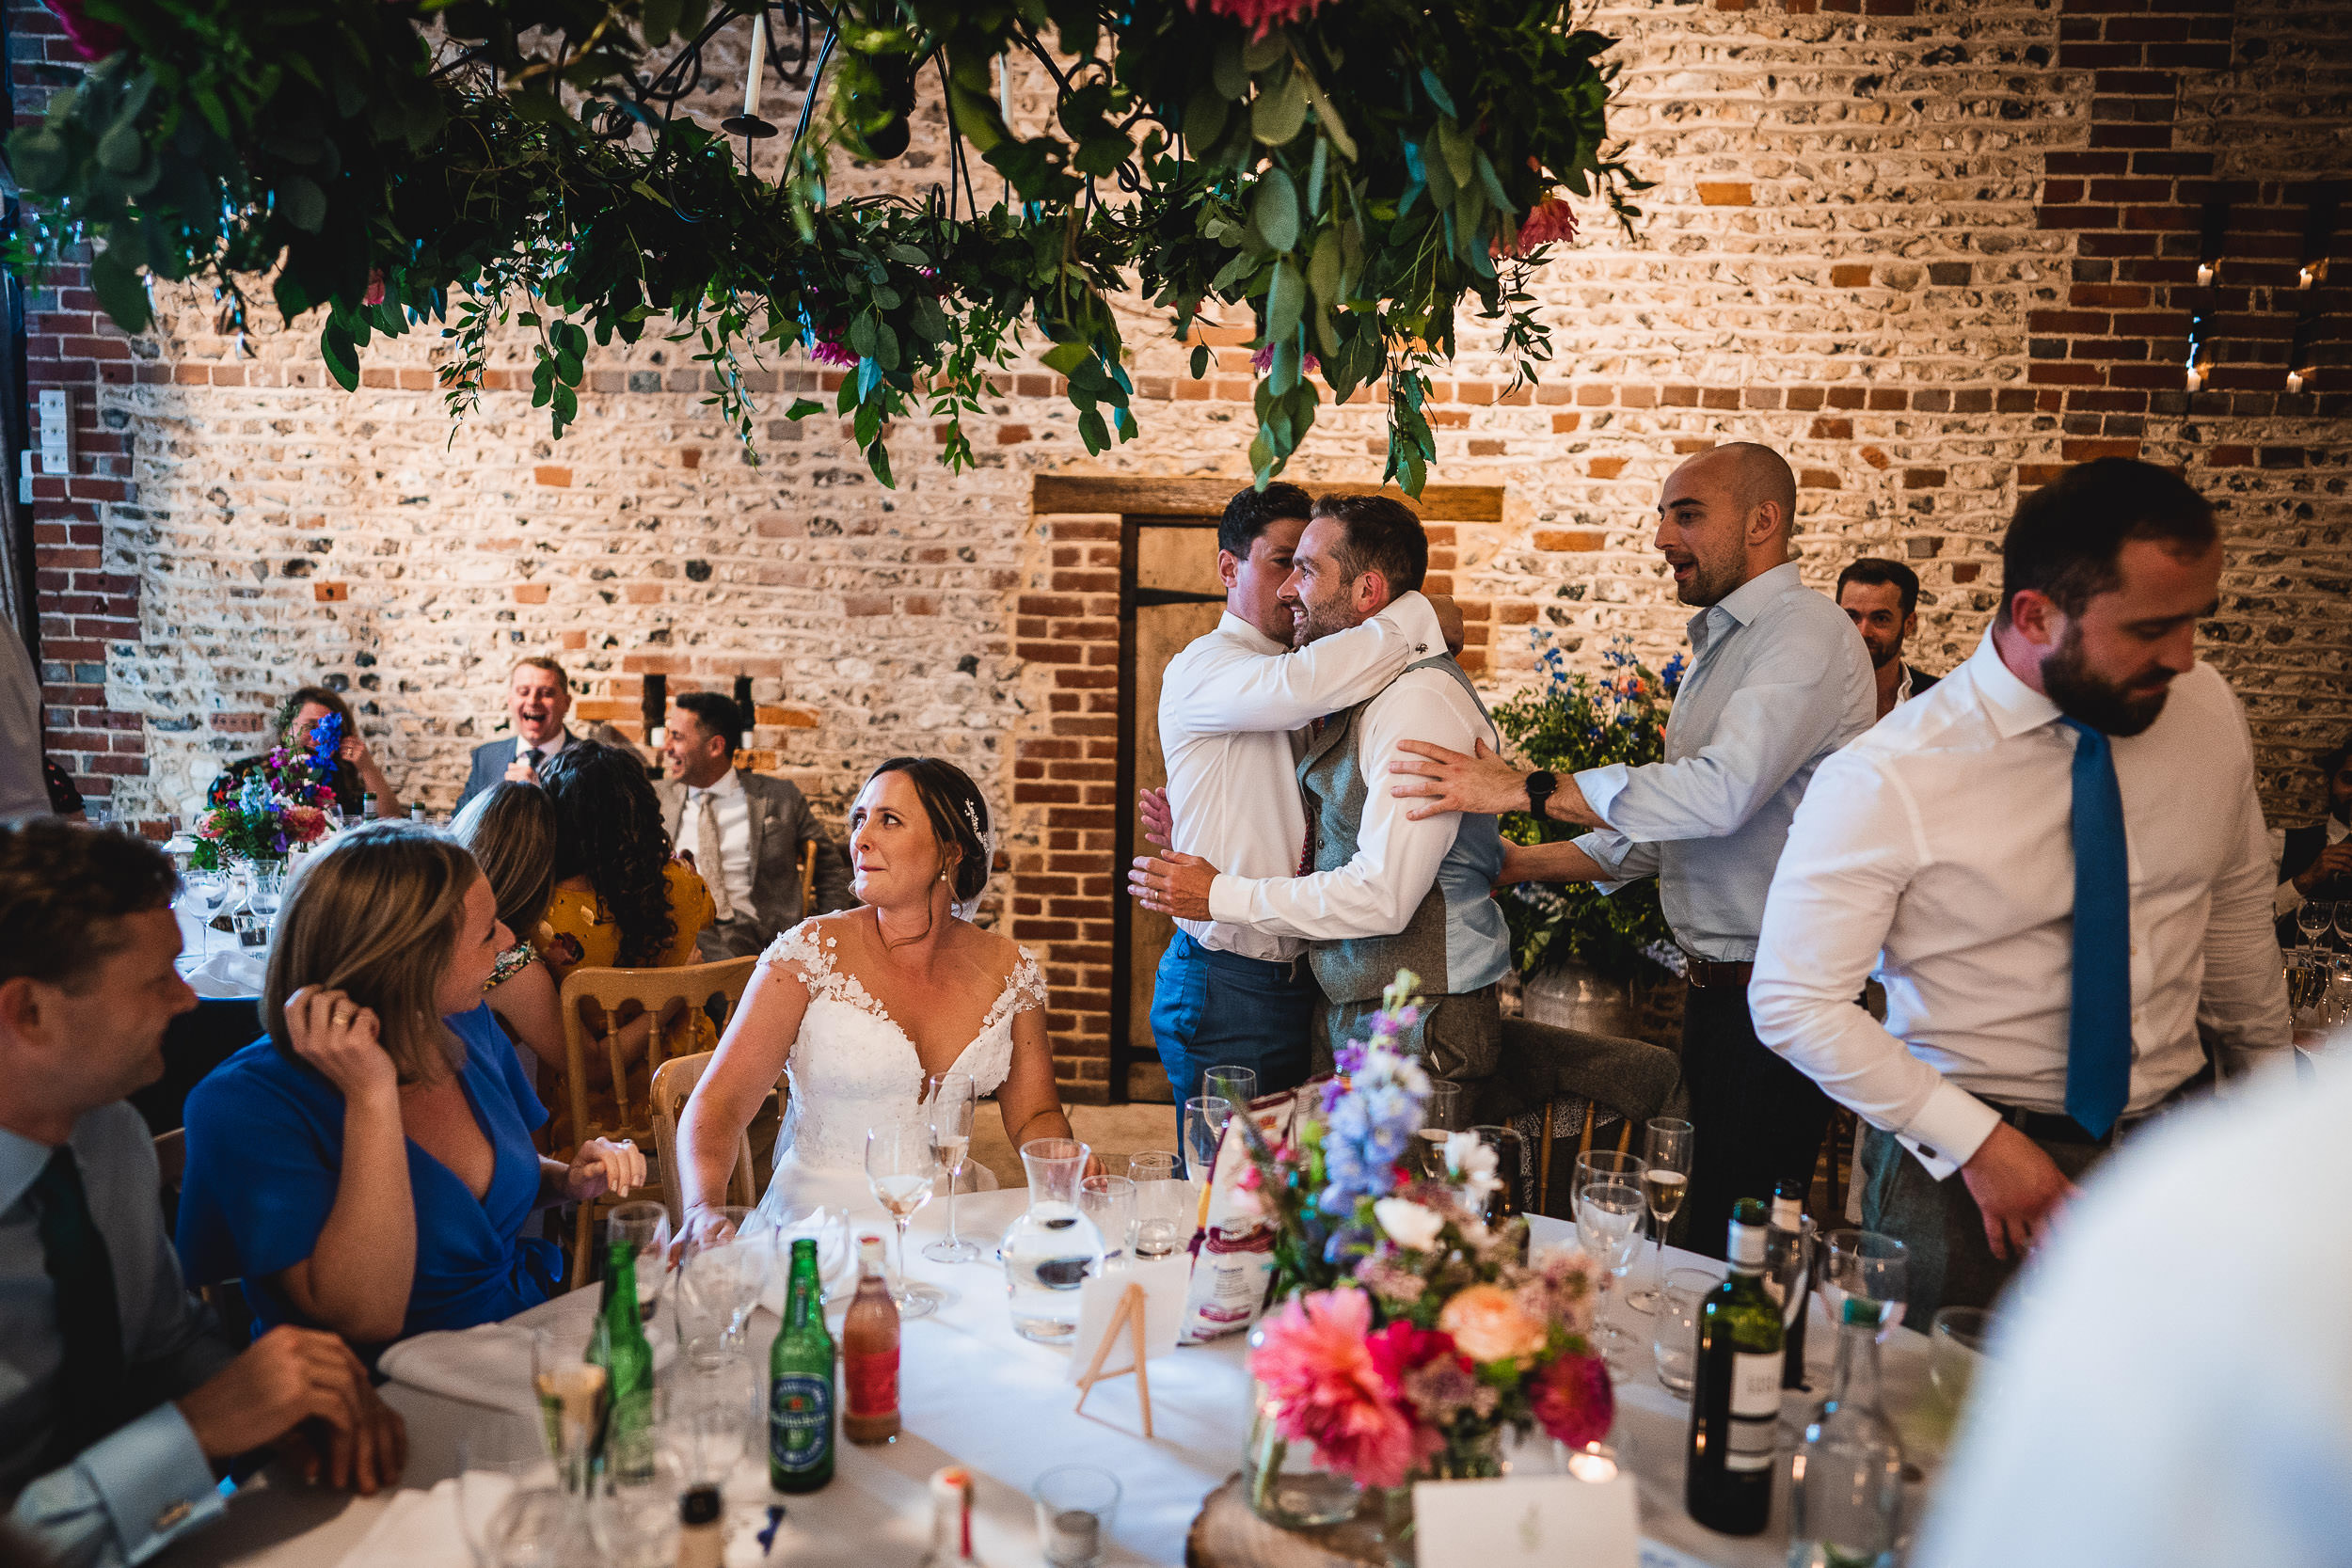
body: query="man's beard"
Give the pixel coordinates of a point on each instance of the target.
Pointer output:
(1321, 620)
(1709, 584)
(1882, 654)
(2068, 681)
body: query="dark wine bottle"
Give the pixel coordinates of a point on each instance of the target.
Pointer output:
(1791, 1274)
(1735, 1408)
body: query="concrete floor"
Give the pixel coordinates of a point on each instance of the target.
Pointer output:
(1113, 1131)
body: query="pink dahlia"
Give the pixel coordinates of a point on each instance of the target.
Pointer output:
(1262, 16)
(1262, 361)
(375, 288)
(1316, 1361)
(1573, 1400)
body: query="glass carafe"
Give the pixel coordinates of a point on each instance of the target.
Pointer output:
(1050, 1249)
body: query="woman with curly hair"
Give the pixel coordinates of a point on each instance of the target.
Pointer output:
(619, 898)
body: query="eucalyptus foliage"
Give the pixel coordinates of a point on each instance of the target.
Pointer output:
(1350, 173)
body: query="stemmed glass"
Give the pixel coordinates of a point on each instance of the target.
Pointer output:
(498, 1455)
(724, 1273)
(203, 893)
(900, 1169)
(1440, 1117)
(1205, 1117)
(1865, 1264)
(2342, 909)
(1609, 1207)
(1666, 1178)
(645, 1227)
(949, 1099)
(2312, 918)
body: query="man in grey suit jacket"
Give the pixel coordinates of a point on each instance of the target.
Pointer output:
(746, 832)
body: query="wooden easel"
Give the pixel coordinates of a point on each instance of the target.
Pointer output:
(1129, 1314)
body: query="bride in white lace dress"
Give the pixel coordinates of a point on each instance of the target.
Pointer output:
(857, 1009)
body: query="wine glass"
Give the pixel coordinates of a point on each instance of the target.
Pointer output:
(1609, 1210)
(2312, 918)
(645, 1227)
(1440, 1117)
(1865, 1264)
(1237, 1085)
(724, 1271)
(202, 893)
(1205, 1117)
(2342, 912)
(499, 1454)
(900, 1169)
(951, 1097)
(1666, 1178)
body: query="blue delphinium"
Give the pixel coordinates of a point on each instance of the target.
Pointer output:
(327, 744)
(1371, 1121)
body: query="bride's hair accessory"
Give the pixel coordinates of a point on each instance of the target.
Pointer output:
(972, 815)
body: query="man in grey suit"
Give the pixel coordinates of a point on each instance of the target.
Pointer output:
(538, 695)
(746, 832)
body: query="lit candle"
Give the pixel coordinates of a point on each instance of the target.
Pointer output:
(2303, 279)
(2196, 378)
(2204, 274)
(2294, 381)
(760, 63)
(1592, 1462)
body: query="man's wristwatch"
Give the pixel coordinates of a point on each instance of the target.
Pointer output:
(1540, 785)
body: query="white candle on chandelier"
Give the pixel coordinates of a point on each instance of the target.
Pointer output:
(760, 63)
(2196, 378)
(2204, 274)
(2303, 278)
(2294, 381)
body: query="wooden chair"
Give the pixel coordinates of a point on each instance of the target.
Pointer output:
(672, 1084)
(1542, 1065)
(596, 1005)
(226, 1299)
(808, 879)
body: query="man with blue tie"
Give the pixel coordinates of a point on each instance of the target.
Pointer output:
(2056, 865)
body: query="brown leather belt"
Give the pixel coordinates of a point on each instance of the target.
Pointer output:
(1707, 975)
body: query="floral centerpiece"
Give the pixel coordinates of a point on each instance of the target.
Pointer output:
(1575, 722)
(266, 811)
(1414, 1332)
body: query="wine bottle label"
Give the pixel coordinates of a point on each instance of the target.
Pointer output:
(873, 1382)
(1754, 1411)
(799, 1422)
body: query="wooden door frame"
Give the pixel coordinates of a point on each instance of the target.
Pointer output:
(1156, 502)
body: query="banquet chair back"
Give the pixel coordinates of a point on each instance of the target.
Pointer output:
(674, 1083)
(808, 879)
(1576, 1081)
(226, 1299)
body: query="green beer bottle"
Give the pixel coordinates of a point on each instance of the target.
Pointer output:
(800, 1383)
(617, 1344)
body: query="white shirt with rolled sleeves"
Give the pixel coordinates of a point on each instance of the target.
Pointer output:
(1232, 705)
(1936, 853)
(1779, 678)
(1396, 860)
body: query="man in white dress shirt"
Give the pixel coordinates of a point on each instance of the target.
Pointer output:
(745, 832)
(1370, 892)
(2056, 864)
(1778, 681)
(1233, 709)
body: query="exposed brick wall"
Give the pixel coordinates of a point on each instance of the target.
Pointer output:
(1929, 251)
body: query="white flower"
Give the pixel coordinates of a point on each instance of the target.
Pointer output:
(1408, 1224)
(1474, 1160)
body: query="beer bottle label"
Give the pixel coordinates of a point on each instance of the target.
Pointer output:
(799, 1422)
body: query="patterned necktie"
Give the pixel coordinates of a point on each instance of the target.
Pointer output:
(706, 850)
(2099, 1018)
(91, 1371)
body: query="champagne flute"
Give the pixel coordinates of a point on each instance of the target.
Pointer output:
(1666, 1178)
(1440, 1117)
(572, 1391)
(951, 1097)
(901, 1168)
(1205, 1117)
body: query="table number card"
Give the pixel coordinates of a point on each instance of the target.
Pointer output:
(1535, 1522)
(1163, 1281)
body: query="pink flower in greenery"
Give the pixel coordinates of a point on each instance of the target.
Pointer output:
(1330, 1390)
(1552, 220)
(1262, 361)
(827, 350)
(375, 288)
(1262, 16)
(91, 38)
(1573, 1400)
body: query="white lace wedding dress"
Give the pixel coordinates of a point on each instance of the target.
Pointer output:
(853, 1067)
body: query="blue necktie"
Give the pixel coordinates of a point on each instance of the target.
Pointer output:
(2099, 1020)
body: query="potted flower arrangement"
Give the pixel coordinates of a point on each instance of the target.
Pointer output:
(1414, 1333)
(278, 805)
(1585, 946)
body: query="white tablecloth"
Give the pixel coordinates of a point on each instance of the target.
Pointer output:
(972, 1392)
(213, 963)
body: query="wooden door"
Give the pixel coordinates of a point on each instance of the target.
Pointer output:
(1174, 596)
